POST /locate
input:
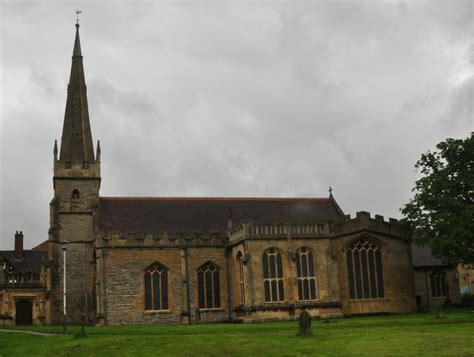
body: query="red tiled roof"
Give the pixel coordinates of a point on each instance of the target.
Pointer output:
(42, 247)
(189, 214)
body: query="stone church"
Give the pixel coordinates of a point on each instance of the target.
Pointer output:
(149, 260)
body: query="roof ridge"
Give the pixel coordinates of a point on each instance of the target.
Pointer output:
(211, 198)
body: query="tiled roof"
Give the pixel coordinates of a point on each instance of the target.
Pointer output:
(42, 247)
(189, 214)
(31, 262)
(422, 257)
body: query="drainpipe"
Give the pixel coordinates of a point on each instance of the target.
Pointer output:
(227, 255)
(188, 290)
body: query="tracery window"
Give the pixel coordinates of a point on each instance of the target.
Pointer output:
(240, 263)
(209, 288)
(156, 287)
(364, 265)
(305, 274)
(273, 283)
(438, 283)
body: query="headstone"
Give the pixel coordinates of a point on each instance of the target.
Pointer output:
(305, 324)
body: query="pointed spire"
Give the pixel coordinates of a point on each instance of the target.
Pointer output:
(97, 155)
(55, 150)
(77, 44)
(76, 141)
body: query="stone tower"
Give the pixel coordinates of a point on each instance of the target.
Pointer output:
(74, 207)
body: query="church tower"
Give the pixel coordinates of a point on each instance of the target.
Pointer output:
(74, 208)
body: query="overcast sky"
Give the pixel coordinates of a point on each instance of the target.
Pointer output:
(234, 98)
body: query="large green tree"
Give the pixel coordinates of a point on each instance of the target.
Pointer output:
(441, 213)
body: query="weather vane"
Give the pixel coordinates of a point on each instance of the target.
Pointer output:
(330, 190)
(77, 16)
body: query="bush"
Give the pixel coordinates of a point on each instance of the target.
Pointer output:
(468, 300)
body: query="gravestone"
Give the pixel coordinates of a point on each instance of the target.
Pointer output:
(305, 324)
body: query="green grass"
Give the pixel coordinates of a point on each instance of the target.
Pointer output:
(402, 335)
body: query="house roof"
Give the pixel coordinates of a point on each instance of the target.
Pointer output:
(42, 247)
(31, 262)
(205, 214)
(422, 257)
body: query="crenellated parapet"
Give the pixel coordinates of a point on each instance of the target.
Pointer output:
(77, 169)
(363, 221)
(285, 230)
(276, 230)
(161, 239)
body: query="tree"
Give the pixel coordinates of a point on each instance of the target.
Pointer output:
(441, 213)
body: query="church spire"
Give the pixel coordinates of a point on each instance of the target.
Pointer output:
(76, 141)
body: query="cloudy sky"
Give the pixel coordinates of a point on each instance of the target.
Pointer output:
(217, 98)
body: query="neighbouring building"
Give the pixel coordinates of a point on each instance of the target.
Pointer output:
(466, 278)
(23, 284)
(148, 260)
(435, 283)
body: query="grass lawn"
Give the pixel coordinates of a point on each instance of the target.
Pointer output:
(403, 335)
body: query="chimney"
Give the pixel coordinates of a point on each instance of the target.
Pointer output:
(19, 245)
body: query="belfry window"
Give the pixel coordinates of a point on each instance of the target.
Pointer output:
(273, 284)
(75, 196)
(209, 288)
(305, 275)
(156, 287)
(240, 266)
(438, 283)
(365, 272)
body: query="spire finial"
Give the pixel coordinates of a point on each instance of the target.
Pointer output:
(330, 191)
(77, 17)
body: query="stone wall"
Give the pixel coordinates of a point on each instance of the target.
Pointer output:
(423, 286)
(125, 287)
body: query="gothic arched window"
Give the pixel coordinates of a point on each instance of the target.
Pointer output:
(365, 272)
(209, 288)
(273, 284)
(438, 283)
(240, 266)
(156, 287)
(305, 274)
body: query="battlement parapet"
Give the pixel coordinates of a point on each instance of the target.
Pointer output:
(251, 230)
(77, 169)
(363, 221)
(161, 239)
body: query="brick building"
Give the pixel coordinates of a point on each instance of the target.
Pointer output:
(179, 260)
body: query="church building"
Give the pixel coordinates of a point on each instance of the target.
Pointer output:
(150, 260)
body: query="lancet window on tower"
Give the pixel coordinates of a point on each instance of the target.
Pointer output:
(75, 197)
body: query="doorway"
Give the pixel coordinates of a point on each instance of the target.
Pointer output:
(24, 312)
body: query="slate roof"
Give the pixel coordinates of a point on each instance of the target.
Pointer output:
(31, 264)
(205, 214)
(422, 257)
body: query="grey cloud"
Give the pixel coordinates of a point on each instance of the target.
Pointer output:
(238, 99)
